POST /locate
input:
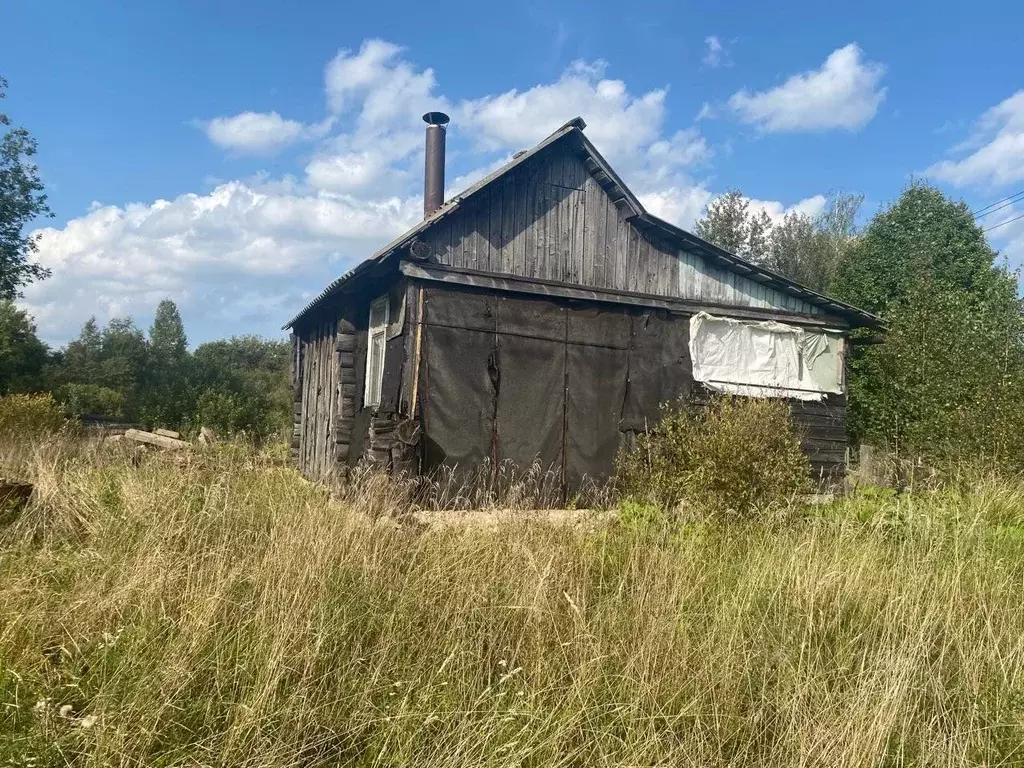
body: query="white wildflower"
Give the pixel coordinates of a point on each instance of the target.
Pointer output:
(65, 710)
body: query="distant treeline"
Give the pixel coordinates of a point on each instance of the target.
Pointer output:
(117, 371)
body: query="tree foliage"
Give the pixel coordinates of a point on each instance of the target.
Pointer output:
(949, 379)
(21, 200)
(234, 385)
(803, 248)
(113, 358)
(167, 369)
(22, 355)
(730, 223)
(241, 384)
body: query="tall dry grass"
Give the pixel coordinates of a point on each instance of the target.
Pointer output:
(223, 611)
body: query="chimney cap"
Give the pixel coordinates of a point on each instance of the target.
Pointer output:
(436, 118)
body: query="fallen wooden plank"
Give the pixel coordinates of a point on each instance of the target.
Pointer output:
(153, 439)
(167, 433)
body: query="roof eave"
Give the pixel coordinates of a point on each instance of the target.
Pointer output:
(769, 277)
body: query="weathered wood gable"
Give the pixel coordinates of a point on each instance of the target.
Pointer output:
(551, 219)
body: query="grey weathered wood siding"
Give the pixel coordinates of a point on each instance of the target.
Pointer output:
(549, 219)
(323, 386)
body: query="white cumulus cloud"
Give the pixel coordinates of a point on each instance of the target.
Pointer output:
(260, 132)
(619, 122)
(212, 253)
(681, 206)
(994, 154)
(810, 206)
(844, 92)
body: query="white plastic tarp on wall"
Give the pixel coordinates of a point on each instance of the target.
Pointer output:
(765, 359)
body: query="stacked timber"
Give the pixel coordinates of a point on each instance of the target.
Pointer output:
(345, 360)
(155, 439)
(379, 439)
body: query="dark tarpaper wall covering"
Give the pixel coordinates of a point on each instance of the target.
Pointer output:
(458, 396)
(659, 367)
(508, 378)
(523, 379)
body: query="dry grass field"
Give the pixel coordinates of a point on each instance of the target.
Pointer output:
(222, 611)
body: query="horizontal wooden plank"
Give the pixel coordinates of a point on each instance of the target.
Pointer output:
(560, 289)
(822, 455)
(823, 444)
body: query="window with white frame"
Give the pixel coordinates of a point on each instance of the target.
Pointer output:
(375, 352)
(765, 359)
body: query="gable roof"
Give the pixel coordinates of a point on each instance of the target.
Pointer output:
(621, 194)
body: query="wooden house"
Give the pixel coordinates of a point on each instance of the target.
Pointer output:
(543, 314)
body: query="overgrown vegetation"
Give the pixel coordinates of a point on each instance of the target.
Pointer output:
(223, 611)
(26, 418)
(734, 457)
(948, 383)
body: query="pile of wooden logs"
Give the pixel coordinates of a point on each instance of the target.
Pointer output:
(166, 439)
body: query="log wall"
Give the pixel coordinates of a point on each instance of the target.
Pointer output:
(331, 430)
(324, 389)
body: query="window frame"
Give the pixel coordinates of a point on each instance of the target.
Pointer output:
(374, 379)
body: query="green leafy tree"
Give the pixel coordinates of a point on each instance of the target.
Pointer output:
(241, 385)
(21, 200)
(166, 393)
(22, 354)
(803, 248)
(81, 359)
(729, 223)
(113, 358)
(809, 250)
(923, 236)
(123, 363)
(89, 400)
(949, 379)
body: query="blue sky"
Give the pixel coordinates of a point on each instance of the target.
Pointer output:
(237, 156)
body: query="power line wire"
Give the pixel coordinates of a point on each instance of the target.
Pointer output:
(999, 208)
(984, 210)
(1003, 223)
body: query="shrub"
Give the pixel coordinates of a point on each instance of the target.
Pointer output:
(92, 399)
(233, 413)
(731, 457)
(29, 416)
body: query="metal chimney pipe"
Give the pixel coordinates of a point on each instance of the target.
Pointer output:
(433, 173)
